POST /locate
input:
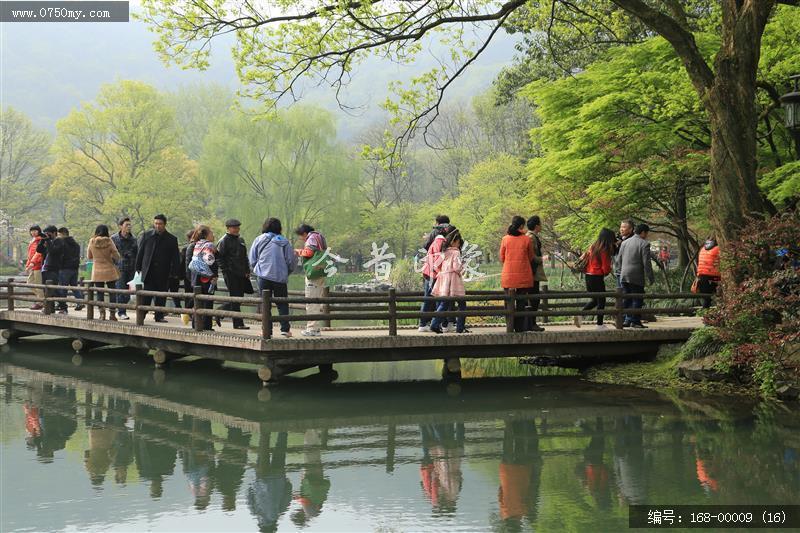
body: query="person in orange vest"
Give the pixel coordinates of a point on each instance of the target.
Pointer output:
(708, 274)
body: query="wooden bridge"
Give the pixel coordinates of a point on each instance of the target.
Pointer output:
(373, 327)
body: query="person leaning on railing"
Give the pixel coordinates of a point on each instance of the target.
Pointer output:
(104, 255)
(272, 260)
(516, 254)
(33, 265)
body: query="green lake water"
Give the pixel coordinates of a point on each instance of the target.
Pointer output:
(106, 443)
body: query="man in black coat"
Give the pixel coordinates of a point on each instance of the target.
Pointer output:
(157, 259)
(70, 253)
(50, 262)
(235, 267)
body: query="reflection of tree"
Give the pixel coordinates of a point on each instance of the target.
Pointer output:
(230, 467)
(314, 486)
(442, 449)
(271, 492)
(520, 474)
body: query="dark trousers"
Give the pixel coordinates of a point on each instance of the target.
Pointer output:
(205, 321)
(67, 276)
(443, 306)
(707, 285)
(596, 283)
(175, 286)
(122, 283)
(236, 287)
(99, 296)
(633, 303)
(533, 305)
(520, 322)
(160, 284)
(279, 290)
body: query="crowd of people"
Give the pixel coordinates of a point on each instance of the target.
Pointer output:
(160, 264)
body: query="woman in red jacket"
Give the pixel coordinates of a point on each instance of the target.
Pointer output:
(516, 254)
(597, 268)
(33, 265)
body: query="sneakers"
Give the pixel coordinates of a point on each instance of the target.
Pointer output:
(123, 316)
(79, 307)
(577, 320)
(424, 329)
(311, 333)
(286, 334)
(437, 331)
(449, 328)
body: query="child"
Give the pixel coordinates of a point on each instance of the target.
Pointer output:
(449, 282)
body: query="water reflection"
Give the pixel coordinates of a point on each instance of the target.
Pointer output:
(502, 454)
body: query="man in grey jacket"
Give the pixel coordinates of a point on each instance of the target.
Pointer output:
(634, 259)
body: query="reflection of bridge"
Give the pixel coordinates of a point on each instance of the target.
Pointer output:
(564, 345)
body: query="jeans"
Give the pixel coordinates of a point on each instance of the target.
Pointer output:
(122, 283)
(429, 305)
(68, 276)
(279, 290)
(443, 306)
(596, 283)
(633, 303)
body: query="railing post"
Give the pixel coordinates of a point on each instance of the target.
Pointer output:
(266, 314)
(197, 319)
(511, 307)
(393, 312)
(49, 305)
(89, 304)
(326, 307)
(10, 301)
(618, 301)
(138, 301)
(543, 302)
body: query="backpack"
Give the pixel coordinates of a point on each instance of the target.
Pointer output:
(202, 259)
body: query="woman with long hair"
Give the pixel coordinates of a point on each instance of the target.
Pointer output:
(598, 266)
(516, 254)
(203, 267)
(105, 256)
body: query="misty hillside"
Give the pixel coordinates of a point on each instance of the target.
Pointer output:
(50, 68)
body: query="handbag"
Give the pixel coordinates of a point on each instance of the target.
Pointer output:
(314, 266)
(695, 285)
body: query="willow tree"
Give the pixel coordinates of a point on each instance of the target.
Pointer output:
(281, 44)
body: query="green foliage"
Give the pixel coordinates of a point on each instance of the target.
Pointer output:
(403, 276)
(782, 185)
(702, 343)
(288, 166)
(119, 156)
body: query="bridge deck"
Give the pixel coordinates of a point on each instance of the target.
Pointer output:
(357, 344)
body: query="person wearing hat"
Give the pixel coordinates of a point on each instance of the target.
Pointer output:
(232, 259)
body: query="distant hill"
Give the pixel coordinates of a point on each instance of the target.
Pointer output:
(50, 68)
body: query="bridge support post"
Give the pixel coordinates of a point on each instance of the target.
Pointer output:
(89, 304)
(84, 345)
(266, 315)
(326, 307)
(9, 335)
(618, 307)
(543, 306)
(49, 304)
(197, 319)
(10, 295)
(162, 357)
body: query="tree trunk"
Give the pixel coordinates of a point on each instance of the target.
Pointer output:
(682, 223)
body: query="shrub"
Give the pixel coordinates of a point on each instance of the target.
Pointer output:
(758, 315)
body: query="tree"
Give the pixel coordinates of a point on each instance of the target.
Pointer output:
(23, 158)
(196, 108)
(277, 48)
(118, 156)
(289, 166)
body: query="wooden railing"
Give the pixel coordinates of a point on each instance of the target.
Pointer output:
(388, 308)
